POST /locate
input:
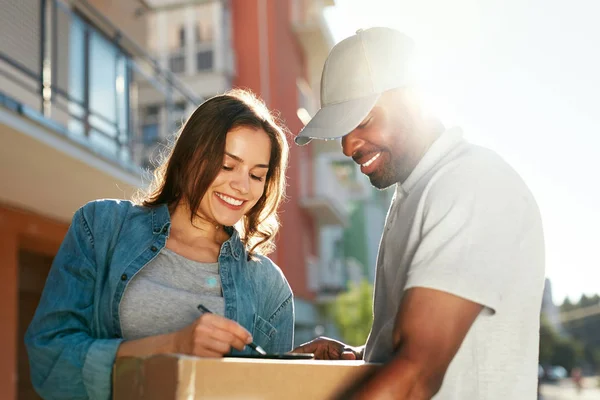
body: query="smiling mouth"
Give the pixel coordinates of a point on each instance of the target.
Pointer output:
(369, 162)
(230, 200)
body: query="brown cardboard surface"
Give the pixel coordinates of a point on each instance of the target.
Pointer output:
(177, 377)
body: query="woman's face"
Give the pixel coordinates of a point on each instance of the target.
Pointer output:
(241, 182)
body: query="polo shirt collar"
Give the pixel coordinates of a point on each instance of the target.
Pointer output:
(448, 141)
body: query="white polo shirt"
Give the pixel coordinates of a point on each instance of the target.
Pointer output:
(465, 223)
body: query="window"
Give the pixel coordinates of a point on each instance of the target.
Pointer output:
(150, 133)
(177, 63)
(181, 37)
(204, 60)
(177, 53)
(98, 87)
(179, 114)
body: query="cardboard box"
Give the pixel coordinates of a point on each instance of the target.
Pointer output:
(178, 377)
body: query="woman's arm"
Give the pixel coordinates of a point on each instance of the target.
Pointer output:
(65, 360)
(283, 321)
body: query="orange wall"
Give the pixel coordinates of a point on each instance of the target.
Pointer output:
(286, 64)
(8, 314)
(20, 231)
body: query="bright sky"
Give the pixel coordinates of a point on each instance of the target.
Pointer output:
(523, 78)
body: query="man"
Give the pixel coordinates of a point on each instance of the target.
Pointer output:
(460, 270)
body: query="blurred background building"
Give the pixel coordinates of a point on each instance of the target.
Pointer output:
(91, 91)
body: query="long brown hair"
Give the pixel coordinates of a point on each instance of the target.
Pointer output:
(196, 158)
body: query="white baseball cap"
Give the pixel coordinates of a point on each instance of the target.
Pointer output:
(357, 71)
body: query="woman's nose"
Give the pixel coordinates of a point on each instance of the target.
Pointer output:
(241, 183)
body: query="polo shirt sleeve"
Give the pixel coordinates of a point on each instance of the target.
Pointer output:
(475, 219)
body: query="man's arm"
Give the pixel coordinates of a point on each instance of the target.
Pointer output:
(429, 329)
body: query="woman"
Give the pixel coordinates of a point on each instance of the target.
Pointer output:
(128, 277)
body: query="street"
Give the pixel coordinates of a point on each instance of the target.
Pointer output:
(565, 390)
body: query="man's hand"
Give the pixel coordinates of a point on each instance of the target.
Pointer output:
(329, 349)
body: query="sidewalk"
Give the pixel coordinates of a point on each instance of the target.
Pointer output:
(565, 390)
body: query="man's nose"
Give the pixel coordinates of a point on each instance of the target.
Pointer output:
(350, 143)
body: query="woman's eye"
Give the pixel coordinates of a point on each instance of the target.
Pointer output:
(226, 168)
(257, 178)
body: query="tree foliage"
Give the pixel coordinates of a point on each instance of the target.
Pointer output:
(353, 313)
(581, 343)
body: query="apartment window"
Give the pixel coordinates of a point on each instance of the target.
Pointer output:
(203, 34)
(98, 87)
(150, 126)
(182, 37)
(150, 133)
(204, 22)
(177, 62)
(178, 114)
(204, 59)
(177, 53)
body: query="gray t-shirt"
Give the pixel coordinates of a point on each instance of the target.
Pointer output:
(465, 223)
(164, 295)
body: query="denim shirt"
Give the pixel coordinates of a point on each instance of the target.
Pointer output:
(74, 336)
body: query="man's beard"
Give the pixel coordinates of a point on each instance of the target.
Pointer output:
(390, 173)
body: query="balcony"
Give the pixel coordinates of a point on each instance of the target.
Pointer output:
(72, 121)
(326, 278)
(192, 39)
(334, 187)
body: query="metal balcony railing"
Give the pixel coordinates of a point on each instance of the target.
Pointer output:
(73, 70)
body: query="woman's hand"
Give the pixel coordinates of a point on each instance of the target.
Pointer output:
(211, 336)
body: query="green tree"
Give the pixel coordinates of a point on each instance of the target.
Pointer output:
(548, 339)
(585, 330)
(568, 353)
(353, 313)
(567, 305)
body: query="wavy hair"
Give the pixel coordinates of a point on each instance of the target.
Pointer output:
(195, 159)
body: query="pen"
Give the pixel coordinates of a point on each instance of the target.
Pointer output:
(252, 345)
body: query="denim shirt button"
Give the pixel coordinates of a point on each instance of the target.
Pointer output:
(153, 248)
(165, 229)
(124, 277)
(156, 230)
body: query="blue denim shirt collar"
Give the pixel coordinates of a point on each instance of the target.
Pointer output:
(161, 222)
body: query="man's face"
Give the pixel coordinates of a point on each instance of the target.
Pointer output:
(383, 142)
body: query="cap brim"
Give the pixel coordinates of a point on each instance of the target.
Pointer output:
(337, 120)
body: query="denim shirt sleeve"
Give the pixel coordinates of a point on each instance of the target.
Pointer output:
(283, 321)
(278, 306)
(66, 361)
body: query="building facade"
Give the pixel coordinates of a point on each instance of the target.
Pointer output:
(90, 90)
(72, 74)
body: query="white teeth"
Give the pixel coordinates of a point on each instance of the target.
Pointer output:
(230, 200)
(375, 157)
